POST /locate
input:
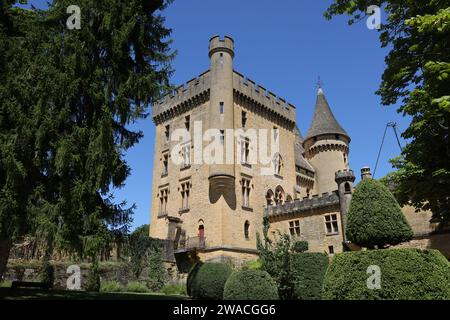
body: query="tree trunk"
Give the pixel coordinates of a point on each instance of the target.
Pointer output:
(5, 247)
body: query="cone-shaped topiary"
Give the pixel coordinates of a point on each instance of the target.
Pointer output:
(250, 285)
(375, 218)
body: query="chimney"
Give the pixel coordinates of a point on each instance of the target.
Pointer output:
(365, 173)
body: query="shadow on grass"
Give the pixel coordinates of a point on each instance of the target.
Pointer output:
(37, 294)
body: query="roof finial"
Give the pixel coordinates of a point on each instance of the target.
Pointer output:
(319, 86)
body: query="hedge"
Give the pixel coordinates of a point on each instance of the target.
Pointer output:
(250, 285)
(309, 270)
(207, 280)
(405, 274)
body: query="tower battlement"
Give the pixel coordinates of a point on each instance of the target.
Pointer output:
(218, 44)
(344, 175)
(186, 92)
(249, 89)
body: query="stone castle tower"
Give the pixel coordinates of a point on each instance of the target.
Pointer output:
(217, 207)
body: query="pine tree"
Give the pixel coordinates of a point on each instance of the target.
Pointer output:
(68, 98)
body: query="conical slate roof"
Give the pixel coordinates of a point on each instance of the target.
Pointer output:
(298, 151)
(324, 121)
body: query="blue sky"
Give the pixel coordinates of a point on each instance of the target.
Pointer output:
(284, 46)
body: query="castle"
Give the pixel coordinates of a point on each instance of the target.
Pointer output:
(217, 207)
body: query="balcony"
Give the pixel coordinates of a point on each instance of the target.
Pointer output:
(192, 243)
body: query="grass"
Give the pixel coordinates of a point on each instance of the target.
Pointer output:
(37, 294)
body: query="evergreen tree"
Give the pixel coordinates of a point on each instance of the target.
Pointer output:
(156, 271)
(375, 218)
(68, 98)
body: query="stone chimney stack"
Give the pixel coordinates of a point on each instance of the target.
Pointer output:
(365, 173)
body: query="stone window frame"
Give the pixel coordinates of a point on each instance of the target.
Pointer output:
(166, 135)
(245, 151)
(185, 194)
(246, 192)
(331, 224)
(246, 230)
(294, 228)
(163, 196)
(186, 155)
(165, 164)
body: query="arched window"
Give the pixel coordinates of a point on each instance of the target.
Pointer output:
(347, 187)
(246, 227)
(201, 234)
(269, 198)
(277, 163)
(288, 198)
(279, 195)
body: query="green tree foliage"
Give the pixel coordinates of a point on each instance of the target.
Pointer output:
(157, 275)
(207, 280)
(300, 246)
(68, 98)
(146, 252)
(417, 73)
(275, 259)
(406, 274)
(308, 269)
(375, 218)
(93, 283)
(47, 273)
(250, 285)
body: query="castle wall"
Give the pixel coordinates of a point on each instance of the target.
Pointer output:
(312, 229)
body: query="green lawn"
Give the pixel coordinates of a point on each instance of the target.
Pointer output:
(37, 294)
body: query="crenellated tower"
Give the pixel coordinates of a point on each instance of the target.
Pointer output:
(344, 179)
(326, 146)
(221, 113)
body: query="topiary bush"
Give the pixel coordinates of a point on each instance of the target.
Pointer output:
(208, 280)
(405, 274)
(375, 218)
(250, 285)
(192, 277)
(309, 270)
(111, 286)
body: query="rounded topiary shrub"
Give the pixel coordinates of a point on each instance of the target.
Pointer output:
(375, 217)
(207, 280)
(192, 277)
(250, 285)
(309, 270)
(405, 274)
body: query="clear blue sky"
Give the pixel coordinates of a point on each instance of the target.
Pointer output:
(284, 46)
